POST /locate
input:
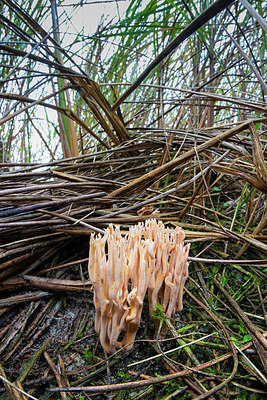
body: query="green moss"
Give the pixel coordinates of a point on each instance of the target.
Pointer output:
(158, 312)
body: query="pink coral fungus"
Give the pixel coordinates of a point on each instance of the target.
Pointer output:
(122, 269)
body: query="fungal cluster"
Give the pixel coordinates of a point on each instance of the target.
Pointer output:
(150, 258)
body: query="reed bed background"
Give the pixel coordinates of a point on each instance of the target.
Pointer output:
(160, 114)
